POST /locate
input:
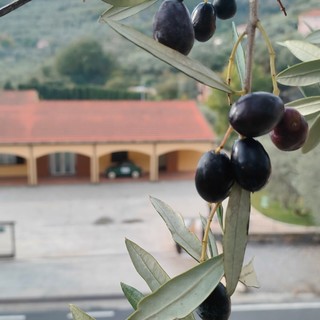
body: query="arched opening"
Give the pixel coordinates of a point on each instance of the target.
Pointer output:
(178, 163)
(124, 163)
(64, 167)
(13, 169)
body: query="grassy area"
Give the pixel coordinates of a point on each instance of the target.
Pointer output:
(274, 210)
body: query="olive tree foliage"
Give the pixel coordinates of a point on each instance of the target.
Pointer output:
(85, 62)
(179, 297)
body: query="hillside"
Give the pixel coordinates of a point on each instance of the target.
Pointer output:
(31, 36)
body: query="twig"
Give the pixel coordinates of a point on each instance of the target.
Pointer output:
(272, 56)
(251, 32)
(206, 232)
(12, 6)
(282, 8)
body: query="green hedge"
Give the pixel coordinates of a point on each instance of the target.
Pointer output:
(53, 92)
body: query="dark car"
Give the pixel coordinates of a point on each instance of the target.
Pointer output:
(123, 169)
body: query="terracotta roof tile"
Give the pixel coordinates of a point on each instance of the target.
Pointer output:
(102, 121)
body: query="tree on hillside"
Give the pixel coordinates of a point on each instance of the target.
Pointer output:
(85, 62)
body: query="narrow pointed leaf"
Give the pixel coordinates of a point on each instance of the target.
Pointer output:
(220, 217)
(190, 67)
(78, 314)
(301, 74)
(213, 249)
(119, 13)
(124, 3)
(240, 57)
(302, 50)
(147, 266)
(248, 276)
(180, 233)
(181, 295)
(236, 235)
(309, 107)
(133, 295)
(313, 137)
(314, 37)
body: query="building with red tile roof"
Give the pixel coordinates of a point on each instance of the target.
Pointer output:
(41, 138)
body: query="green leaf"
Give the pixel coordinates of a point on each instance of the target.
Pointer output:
(236, 235)
(133, 295)
(180, 296)
(213, 249)
(119, 13)
(240, 57)
(78, 314)
(190, 67)
(308, 107)
(180, 233)
(124, 3)
(301, 74)
(220, 217)
(147, 266)
(302, 50)
(314, 37)
(248, 276)
(313, 137)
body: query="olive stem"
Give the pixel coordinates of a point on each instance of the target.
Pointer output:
(251, 32)
(231, 61)
(206, 232)
(224, 140)
(272, 57)
(282, 8)
(12, 6)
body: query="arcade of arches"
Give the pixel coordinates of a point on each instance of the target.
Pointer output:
(34, 162)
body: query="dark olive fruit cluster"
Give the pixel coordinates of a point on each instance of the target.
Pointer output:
(256, 114)
(203, 18)
(175, 28)
(217, 306)
(172, 26)
(214, 176)
(291, 132)
(250, 163)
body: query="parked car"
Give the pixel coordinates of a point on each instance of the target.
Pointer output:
(123, 169)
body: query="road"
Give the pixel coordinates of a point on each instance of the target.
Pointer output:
(283, 311)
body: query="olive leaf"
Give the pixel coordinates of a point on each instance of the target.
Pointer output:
(248, 276)
(149, 269)
(181, 295)
(213, 249)
(120, 13)
(313, 136)
(302, 50)
(314, 37)
(180, 233)
(147, 266)
(190, 67)
(78, 314)
(309, 107)
(220, 217)
(236, 235)
(301, 74)
(133, 295)
(124, 3)
(240, 57)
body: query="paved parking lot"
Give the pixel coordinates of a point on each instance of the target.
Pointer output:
(70, 242)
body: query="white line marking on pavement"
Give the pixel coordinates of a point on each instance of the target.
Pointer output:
(276, 306)
(13, 317)
(94, 314)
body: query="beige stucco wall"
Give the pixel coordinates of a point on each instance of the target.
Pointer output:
(15, 170)
(145, 155)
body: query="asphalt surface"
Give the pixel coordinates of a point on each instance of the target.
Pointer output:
(70, 243)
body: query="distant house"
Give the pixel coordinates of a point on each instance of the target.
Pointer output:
(42, 139)
(309, 20)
